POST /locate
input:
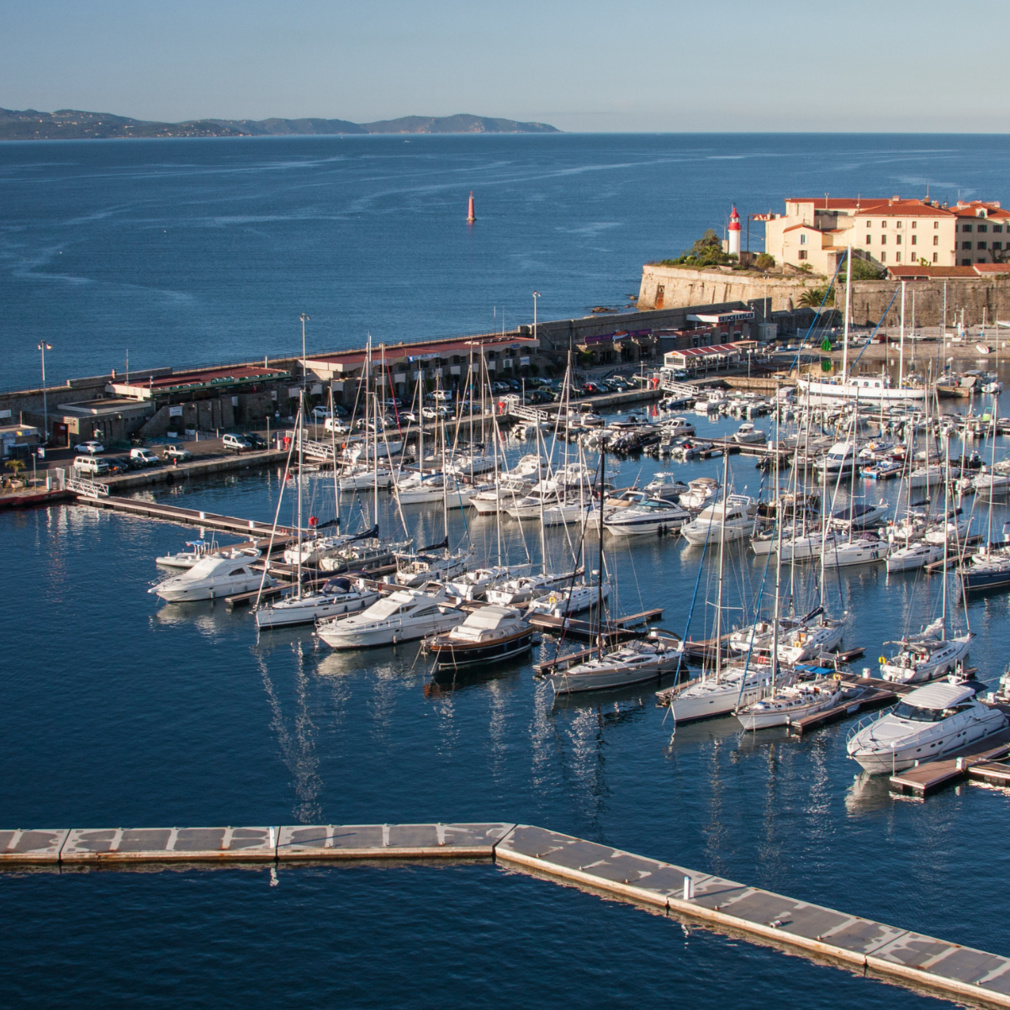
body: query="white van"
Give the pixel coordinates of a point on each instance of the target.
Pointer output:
(336, 425)
(93, 465)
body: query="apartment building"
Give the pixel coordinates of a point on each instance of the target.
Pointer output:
(890, 232)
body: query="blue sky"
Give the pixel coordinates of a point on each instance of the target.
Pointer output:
(644, 65)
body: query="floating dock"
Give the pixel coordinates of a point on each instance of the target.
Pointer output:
(862, 945)
(188, 517)
(924, 779)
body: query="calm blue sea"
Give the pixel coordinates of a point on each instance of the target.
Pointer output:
(203, 251)
(118, 710)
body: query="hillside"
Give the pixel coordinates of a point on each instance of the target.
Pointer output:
(71, 124)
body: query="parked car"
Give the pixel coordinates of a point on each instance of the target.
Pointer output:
(177, 452)
(335, 425)
(145, 457)
(91, 466)
(321, 413)
(118, 464)
(432, 413)
(236, 443)
(90, 447)
(256, 440)
(410, 416)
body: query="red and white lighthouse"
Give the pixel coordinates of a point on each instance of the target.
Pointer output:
(733, 236)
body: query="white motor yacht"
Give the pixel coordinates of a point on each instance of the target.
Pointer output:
(403, 616)
(653, 515)
(925, 656)
(630, 663)
(198, 549)
(731, 519)
(488, 635)
(665, 485)
(838, 461)
(925, 725)
(701, 492)
(337, 596)
(677, 427)
(747, 434)
(213, 576)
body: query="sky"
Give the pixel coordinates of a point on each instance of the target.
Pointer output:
(587, 66)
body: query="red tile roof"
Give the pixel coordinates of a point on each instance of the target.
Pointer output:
(909, 272)
(904, 208)
(809, 227)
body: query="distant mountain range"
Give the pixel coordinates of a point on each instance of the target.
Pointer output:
(69, 124)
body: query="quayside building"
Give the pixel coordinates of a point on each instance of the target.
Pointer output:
(889, 231)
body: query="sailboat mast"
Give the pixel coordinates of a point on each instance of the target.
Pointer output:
(599, 577)
(722, 559)
(901, 342)
(848, 312)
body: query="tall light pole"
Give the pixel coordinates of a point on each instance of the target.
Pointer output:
(43, 347)
(305, 372)
(536, 295)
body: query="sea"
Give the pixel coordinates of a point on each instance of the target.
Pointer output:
(119, 710)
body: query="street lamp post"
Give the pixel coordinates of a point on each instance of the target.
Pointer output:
(43, 347)
(305, 372)
(536, 295)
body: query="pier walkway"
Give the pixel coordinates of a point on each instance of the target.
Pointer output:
(939, 967)
(190, 517)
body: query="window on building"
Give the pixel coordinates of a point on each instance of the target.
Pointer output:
(869, 239)
(883, 240)
(981, 245)
(936, 224)
(966, 245)
(897, 224)
(997, 229)
(966, 227)
(982, 227)
(936, 240)
(966, 263)
(883, 257)
(997, 245)
(915, 224)
(803, 254)
(897, 257)
(897, 240)
(915, 240)
(936, 257)
(803, 240)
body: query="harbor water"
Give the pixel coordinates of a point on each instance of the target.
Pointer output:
(120, 710)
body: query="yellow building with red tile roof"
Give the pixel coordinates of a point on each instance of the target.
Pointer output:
(889, 231)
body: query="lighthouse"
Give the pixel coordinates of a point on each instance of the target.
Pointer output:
(733, 238)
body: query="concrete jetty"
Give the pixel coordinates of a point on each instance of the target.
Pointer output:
(863, 945)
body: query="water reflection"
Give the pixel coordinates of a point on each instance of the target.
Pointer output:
(297, 740)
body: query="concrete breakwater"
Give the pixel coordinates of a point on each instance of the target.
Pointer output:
(863, 945)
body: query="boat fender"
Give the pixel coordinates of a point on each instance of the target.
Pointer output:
(881, 660)
(396, 638)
